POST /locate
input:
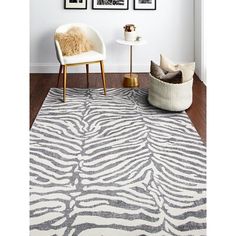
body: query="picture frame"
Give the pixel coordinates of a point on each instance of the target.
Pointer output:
(75, 4)
(110, 4)
(144, 4)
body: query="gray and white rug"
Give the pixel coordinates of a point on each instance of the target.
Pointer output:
(115, 166)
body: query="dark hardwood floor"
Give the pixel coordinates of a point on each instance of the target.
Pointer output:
(41, 83)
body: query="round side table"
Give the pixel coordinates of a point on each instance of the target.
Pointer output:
(131, 80)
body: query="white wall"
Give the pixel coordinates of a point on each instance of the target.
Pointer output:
(199, 40)
(168, 30)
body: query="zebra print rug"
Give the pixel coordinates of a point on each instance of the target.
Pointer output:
(115, 166)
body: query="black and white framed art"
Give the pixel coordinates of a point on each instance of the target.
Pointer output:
(144, 4)
(110, 4)
(75, 4)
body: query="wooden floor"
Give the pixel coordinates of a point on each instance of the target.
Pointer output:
(41, 83)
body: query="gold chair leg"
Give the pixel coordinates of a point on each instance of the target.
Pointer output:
(87, 74)
(58, 79)
(64, 82)
(103, 76)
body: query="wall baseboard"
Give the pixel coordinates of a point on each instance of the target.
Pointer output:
(94, 68)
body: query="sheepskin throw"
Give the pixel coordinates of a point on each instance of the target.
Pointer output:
(169, 77)
(186, 69)
(73, 42)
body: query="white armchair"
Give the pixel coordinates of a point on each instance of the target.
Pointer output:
(97, 55)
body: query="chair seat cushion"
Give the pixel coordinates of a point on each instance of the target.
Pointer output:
(84, 57)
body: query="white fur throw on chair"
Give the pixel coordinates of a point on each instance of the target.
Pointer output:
(169, 96)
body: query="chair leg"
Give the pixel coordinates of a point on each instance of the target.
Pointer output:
(87, 74)
(59, 75)
(103, 76)
(64, 82)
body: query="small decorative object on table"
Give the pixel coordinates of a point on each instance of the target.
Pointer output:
(129, 32)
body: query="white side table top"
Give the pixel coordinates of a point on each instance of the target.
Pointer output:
(131, 43)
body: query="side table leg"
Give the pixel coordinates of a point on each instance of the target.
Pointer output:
(131, 80)
(131, 59)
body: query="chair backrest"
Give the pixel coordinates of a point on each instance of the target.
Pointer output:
(92, 35)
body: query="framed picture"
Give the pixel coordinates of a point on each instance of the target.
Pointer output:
(75, 4)
(144, 4)
(110, 4)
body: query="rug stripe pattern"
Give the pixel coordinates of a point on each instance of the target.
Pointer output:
(115, 165)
